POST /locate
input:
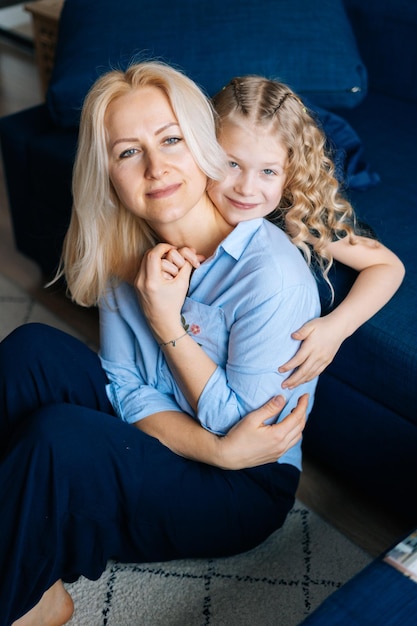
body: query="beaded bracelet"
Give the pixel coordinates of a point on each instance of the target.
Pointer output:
(173, 341)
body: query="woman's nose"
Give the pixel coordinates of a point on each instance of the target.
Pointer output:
(155, 165)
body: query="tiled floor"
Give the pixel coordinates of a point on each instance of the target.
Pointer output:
(18, 307)
(16, 19)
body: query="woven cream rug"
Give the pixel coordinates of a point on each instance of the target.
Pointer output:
(277, 584)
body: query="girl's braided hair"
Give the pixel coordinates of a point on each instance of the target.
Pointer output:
(312, 210)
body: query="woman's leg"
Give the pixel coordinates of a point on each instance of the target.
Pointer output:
(78, 487)
(40, 365)
(55, 608)
(65, 484)
(193, 510)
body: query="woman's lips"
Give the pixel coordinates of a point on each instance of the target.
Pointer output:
(163, 192)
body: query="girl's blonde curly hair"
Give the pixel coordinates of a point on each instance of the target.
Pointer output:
(312, 210)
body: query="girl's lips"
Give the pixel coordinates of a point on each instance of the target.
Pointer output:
(244, 206)
(164, 192)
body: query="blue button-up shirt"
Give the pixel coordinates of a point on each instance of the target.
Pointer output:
(242, 306)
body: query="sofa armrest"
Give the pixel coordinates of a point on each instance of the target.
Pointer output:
(385, 32)
(38, 159)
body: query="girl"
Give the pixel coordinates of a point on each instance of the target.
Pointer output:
(278, 168)
(79, 486)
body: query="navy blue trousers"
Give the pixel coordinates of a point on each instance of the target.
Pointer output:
(79, 486)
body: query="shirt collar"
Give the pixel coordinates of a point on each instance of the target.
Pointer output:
(237, 241)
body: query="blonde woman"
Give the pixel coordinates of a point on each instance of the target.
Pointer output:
(269, 135)
(156, 449)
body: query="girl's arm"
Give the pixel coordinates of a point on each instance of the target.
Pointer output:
(380, 275)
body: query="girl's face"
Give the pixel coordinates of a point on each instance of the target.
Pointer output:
(256, 173)
(151, 168)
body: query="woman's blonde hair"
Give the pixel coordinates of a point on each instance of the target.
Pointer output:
(104, 239)
(312, 210)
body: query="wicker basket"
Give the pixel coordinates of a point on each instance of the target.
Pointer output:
(45, 18)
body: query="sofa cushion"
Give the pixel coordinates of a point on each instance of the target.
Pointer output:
(385, 359)
(309, 45)
(386, 36)
(38, 160)
(346, 149)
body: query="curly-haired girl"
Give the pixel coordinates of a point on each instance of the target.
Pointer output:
(279, 167)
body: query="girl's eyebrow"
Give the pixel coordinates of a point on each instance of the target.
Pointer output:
(272, 164)
(135, 139)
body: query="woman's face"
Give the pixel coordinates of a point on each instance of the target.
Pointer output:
(150, 166)
(255, 177)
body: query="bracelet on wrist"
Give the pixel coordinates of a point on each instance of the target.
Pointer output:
(172, 342)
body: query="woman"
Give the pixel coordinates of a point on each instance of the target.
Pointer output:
(79, 486)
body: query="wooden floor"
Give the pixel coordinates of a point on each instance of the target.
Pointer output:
(345, 510)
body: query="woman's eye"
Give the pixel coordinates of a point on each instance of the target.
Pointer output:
(233, 164)
(127, 153)
(268, 172)
(172, 140)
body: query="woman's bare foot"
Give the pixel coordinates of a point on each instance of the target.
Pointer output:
(55, 608)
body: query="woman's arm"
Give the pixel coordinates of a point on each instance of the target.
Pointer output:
(380, 275)
(130, 358)
(138, 400)
(222, 393)
(250, 443)
(162, 285)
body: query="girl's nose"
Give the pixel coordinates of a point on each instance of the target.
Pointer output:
(245, 184)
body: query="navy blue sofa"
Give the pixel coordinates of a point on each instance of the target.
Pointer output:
(354, 62)
(364, 423)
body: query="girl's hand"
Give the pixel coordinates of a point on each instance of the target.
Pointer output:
(321, 339)
(251, 442)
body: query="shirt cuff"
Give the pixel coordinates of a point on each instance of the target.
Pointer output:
(133, 405)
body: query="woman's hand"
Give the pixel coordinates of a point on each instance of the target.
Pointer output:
(248, 444)
(251, 442)
(175, 259)
(321, 339)
(162, 284)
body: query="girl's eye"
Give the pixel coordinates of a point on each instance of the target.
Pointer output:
(127, 153)
(233, 164)
(268, 172)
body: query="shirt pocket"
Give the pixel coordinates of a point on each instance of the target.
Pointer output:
(207, 325)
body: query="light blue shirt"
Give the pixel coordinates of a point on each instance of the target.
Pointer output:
(242, 306)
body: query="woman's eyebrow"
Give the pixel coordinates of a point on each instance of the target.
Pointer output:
(134, 139)
(124, 140)
(161, 130)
